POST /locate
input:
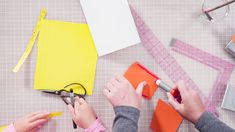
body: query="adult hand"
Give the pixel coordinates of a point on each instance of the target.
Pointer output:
(82, 113)
(191, 106)
(120, 92)
(31, 122)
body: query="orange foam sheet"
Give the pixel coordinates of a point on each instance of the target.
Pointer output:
(233, 38)
(165, 118)
(136, 74)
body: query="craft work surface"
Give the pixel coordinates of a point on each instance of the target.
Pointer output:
(168, 19)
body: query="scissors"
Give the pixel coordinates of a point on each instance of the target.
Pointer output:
(67, 94)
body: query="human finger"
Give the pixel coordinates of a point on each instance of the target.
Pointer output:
(33, 113)
(106, 93)
(110, 86)
(140, 88)
(173, 102)
(72, 111)
(38, 122)
(120, 78)
(82, 101)
(77, 107)
(182, 89)
(114, 82)
(36, 129)
(39, 116)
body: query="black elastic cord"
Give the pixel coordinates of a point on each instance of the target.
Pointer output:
(79, 84)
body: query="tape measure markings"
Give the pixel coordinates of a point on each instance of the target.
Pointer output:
(199, 55)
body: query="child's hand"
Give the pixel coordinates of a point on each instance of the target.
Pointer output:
(191, 106)
(120, 92)
(82, 113)
(31, 122)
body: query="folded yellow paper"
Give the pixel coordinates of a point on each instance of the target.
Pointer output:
(66, 54)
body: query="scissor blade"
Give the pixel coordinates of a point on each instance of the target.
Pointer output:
(49, 92)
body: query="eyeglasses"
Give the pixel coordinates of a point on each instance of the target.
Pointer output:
(215, 10)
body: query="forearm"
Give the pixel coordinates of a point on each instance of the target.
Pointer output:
(209, 123)
(126, 119)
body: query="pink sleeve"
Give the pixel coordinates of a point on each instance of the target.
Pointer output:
(97, 126)
(10, 128)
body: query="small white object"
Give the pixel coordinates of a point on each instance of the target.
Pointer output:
(111, 24)
(158, 82)
(229, 98)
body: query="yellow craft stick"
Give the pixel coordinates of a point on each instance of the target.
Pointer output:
(2, 128)
(31, 41)
(54, 114)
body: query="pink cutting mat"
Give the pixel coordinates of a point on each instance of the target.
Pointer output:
(166, 18)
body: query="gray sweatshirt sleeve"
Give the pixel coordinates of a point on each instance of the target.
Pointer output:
(126, 119)
(209, 123)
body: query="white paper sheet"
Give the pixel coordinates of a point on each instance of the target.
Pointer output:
(111, 24)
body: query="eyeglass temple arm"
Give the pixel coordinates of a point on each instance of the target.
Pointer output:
(220, 6)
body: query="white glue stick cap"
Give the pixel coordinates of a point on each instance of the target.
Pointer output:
(158, 82)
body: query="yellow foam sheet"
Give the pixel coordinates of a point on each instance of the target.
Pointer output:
(66, 54)
(54, 114)
(3, 127)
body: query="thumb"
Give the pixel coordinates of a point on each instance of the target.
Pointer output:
(74, 115)
(72, 111)
(140, 88)
(173, 102)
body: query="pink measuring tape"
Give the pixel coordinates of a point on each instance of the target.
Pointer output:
(161, 55)
(223, 67)
(168, 63)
